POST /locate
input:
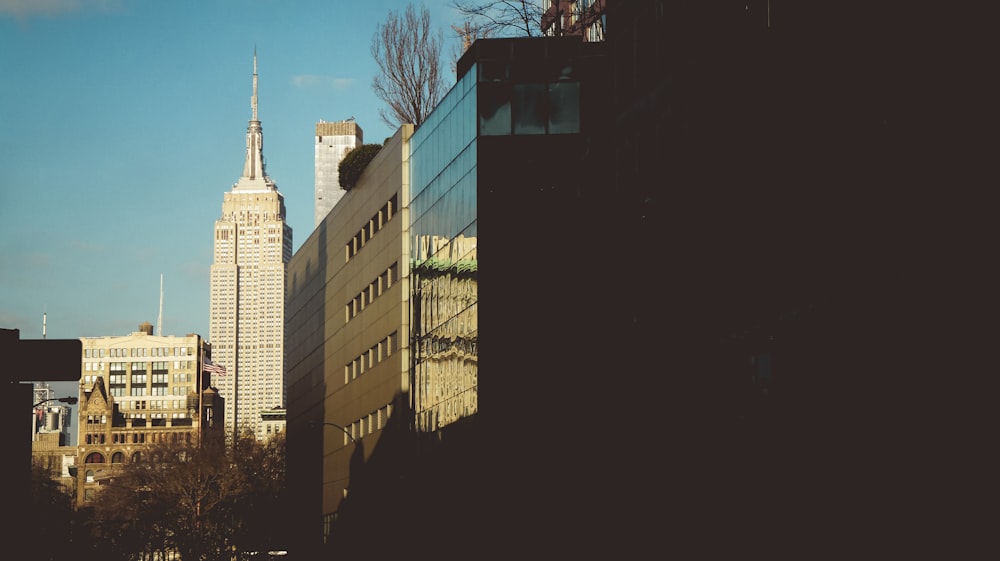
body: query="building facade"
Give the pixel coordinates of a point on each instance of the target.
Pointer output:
(512, 148)
(51, 451)
(48, 417)
(586, 18)
(274, 422)
(348, 338)
(136, 391)
(253, 244)
(333, 142)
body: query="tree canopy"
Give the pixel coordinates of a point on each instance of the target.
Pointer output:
(203, 503)
(354, 163)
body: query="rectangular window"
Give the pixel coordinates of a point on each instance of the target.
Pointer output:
(564, 108)
(528, 108)
(494, 110)
(492, 71)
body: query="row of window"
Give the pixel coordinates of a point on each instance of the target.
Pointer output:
(382, 283)
(140, 421)
(552, 108)
(116, 458)
(159, 366)
(142, 404)
(371, 357)
(374, 224)
(374, 421)
(141, 391)
(135, 438)
(135, 352)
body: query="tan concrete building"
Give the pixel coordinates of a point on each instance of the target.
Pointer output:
(273, 421)
(49, 450)
(253, 244)
(348, 309)
(137, 390)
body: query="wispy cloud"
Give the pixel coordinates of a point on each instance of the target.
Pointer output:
(84, 246)
(48, 8)
(317, 81)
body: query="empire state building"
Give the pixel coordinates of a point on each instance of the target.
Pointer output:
(247, 296)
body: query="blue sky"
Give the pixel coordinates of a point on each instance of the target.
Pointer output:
(122, 124)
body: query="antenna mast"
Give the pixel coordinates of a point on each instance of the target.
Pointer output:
(159, 320)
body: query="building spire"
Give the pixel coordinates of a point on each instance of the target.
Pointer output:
(253, 100)
(253, 169)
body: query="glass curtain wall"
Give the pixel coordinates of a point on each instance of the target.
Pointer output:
(443, 270)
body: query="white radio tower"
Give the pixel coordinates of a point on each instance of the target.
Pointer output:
(159, 320)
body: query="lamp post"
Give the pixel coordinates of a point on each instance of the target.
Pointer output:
(314, 424)
(70, 400)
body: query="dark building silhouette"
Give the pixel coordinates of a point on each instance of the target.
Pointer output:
(30, 360)
(696, 319)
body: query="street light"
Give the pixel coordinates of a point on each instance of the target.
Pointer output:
(70, 400)
(314, 424)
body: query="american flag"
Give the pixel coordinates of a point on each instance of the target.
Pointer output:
(214, 368)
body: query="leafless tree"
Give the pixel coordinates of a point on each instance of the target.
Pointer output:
(201, 502)
(408, 54)
(467, 34)
(503, 18)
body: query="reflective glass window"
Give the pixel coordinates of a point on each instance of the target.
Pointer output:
(494, 110)
(564, 107)
(528, 108)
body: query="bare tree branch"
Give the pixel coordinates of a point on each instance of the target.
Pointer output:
(408, 55)
(503, 18)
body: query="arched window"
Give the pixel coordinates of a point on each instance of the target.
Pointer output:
(118, 458)
(136, 456)
(94, 458)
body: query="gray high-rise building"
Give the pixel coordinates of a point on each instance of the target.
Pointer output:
(333, 142)
(253, 244)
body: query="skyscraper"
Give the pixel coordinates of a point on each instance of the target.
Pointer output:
(252, 247)
(333, 142)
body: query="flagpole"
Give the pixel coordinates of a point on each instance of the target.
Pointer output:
(201, 391)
